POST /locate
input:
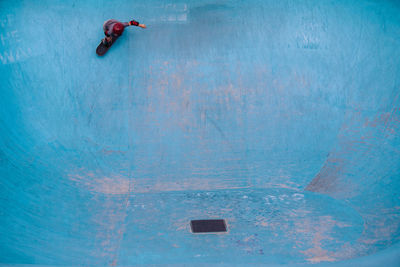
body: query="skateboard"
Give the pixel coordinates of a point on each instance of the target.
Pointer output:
(102, 48)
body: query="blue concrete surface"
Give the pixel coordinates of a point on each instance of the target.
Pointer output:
(282, 117)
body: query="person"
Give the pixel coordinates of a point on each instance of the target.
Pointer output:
(115, 28)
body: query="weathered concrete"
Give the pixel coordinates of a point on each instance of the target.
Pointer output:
(282, 117)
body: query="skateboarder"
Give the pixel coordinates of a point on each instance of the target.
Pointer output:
(114, 28)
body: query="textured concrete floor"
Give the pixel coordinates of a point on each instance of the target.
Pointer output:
(282, 117)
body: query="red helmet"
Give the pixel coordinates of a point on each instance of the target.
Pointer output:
(118, 28)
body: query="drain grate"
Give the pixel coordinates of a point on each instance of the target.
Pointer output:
(208, 226)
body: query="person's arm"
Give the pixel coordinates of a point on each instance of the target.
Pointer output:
(135, 23)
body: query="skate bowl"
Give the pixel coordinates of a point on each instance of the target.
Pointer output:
(280, 117)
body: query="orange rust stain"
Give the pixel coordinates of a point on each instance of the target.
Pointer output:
(115, 184)
(189, 184)
(320, 231)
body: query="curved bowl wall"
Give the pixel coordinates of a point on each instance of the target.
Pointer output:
(281, 117)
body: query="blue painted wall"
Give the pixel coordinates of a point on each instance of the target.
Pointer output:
(281, 117)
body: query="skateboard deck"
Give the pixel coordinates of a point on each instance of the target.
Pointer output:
(102, 49)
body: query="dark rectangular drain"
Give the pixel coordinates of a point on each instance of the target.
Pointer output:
(208, 226)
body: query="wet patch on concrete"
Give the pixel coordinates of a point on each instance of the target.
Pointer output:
(292, 225)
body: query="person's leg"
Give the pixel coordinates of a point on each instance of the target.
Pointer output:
(107, 40)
